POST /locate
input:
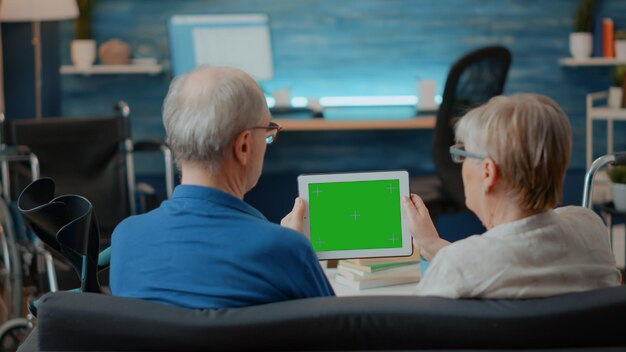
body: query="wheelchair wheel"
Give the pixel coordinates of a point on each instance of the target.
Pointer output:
(13, 333)
(10, 265)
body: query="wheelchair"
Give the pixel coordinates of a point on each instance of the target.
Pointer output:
(21, 252)
(91, 156)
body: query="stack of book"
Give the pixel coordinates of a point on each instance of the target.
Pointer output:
(361, 274)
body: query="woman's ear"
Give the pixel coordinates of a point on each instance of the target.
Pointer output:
(241, 147)
(490, 174)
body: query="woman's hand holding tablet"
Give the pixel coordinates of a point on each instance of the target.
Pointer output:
(356, 215)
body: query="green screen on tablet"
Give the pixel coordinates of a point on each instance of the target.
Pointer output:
(355, 215)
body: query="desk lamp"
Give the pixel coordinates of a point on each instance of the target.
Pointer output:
(35, 11)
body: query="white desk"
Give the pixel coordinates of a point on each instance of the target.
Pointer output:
(343, 291)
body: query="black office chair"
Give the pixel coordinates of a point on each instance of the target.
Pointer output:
(473, 80)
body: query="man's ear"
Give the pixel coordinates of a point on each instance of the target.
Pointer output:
(241, 147)
(490, 174)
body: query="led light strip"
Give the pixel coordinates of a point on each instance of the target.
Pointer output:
(391, 100)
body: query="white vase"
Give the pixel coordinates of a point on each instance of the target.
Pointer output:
(619, 196)
(614, 100)
(426, 93)
(580, 45)
(620, 49)
(282, 97)
(83, 53)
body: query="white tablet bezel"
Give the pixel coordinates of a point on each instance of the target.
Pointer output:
(403, 178)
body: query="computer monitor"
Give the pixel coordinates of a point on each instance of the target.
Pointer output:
(241, 40)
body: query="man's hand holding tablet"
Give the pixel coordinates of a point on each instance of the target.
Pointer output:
(353, 215)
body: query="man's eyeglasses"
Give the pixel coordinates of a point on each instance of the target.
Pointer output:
(458, 153)
(271, 131)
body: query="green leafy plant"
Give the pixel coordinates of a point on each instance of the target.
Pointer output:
(617, 174)
(583, 18)
(83, 22)
(619, 73)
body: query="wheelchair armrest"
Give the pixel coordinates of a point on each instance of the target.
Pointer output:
(104, 259)
(148, 198)
(149, 145)
(10, 153)
(16, 153)
(159, 146)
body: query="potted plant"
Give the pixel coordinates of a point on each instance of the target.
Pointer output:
(581, 40)
(617, 174)
(83, 48)
(616, 91)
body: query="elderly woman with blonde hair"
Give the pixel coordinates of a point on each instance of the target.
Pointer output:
(514, 152)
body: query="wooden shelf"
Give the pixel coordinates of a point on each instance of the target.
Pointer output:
(151, 69)
(320, 124)
(592, 61)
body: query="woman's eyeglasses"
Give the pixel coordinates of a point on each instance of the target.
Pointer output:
(271, 131)
(458, 153)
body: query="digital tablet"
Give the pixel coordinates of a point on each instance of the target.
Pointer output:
(356, 215)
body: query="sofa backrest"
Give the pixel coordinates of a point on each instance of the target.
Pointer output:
(84, 321)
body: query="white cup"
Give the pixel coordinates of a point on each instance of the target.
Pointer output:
(282, 97)
(620, 49)
(314, 104)
(427, 90)
(619, 196)
(580, 45)
(614, 100)
(83, 53)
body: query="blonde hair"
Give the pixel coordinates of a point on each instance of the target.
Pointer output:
(528, 138)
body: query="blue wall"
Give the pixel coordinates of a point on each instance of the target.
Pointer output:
(366, 47)
(18, 68)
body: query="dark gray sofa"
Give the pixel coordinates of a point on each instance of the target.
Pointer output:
(82, 321)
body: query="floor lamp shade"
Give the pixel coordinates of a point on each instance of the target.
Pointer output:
(37, 10)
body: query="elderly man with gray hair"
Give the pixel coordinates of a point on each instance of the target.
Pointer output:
(206, 247)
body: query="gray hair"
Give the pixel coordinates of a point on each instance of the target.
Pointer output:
(528, 136)
(206, 109)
